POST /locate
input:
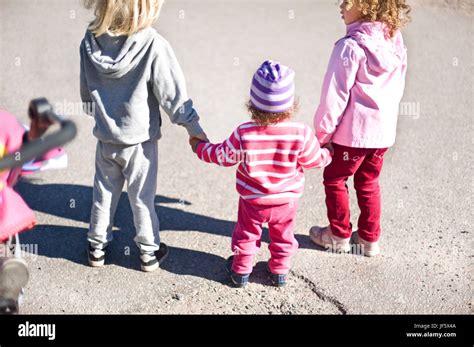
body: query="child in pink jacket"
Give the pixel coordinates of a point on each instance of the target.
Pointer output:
(271, 152)
(357, 117)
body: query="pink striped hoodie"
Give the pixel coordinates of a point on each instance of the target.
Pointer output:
(271, 160)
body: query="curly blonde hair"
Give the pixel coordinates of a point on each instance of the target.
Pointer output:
(394, 13)
(122, 17)
(268, 118)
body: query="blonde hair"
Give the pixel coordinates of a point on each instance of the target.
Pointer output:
(122, 17)
(394, 13)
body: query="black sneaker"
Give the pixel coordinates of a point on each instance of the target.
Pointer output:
(96, 256)
(238, 280)
(151, 262)
(278, 280)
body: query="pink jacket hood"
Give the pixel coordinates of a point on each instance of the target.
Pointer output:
(383, 53)
(362, 88)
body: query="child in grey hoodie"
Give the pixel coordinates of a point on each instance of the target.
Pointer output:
(127, 72)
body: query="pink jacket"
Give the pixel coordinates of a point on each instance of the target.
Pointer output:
(15, 215)
(362, 88)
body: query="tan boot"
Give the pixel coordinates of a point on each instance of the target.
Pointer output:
(370, 249)
(322, 236)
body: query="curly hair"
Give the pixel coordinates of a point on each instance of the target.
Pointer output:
(394, 13)
(267, 118)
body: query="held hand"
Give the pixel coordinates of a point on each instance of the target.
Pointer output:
(194, 142)
(329, 147)
(202, 137)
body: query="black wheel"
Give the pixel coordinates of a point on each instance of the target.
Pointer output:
(8, 306)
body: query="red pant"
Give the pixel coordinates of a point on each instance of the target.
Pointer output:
(247, 236)
(365, 164)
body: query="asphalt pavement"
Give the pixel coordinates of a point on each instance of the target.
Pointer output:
(427, 182)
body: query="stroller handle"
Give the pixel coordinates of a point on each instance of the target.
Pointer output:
(41, 108)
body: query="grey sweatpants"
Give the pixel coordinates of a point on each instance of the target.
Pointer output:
(115, 164)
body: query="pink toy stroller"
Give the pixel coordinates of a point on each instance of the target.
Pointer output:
(24, 152)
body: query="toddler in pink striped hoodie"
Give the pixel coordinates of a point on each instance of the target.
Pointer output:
(272, 151)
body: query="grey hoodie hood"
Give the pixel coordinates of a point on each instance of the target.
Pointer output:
(384, 54)
(115, 56)
(126, 79)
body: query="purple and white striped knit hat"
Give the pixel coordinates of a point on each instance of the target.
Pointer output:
(273, 88)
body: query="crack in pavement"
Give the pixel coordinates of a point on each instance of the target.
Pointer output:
(320, 293)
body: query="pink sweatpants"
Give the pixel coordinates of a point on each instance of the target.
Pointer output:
(365, 165)
(247, 236)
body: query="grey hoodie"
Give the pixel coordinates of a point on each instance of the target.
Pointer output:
(127, 79)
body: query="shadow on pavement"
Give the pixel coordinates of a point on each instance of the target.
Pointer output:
(182, 261)
(55, 241)
(305, 242)
(74, 201)
(260, 274)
